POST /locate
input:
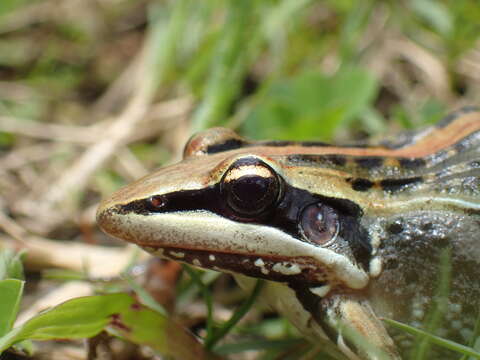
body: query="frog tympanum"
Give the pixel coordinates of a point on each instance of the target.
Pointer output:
(343, 235)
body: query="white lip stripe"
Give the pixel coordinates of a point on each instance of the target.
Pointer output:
(209, 232)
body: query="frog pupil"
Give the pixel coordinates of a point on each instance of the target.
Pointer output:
(251, 189)
(254, 191)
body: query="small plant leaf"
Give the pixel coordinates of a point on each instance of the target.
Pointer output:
(11, 291)
(436, 14)
(77, 318)
(11, 265)
(311, 105)
(119, 314)
(145, 326)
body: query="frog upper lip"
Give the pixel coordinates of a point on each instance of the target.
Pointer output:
(205, 230)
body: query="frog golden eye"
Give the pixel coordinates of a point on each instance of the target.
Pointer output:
(250, 187)
(319, 223)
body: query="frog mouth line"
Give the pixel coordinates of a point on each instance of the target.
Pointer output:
(274, 268)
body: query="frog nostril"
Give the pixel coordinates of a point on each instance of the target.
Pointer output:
(157, 202)
(105, 218)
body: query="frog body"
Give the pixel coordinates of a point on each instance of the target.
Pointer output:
(344, 235)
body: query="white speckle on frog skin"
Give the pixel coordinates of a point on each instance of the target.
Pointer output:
(321, 290)
(196, 262)
(418, 308)
(261, 264)
(153, 250)
(211, 257)
(375, 266)
(375, 238)
(287, 268)
(177, 254)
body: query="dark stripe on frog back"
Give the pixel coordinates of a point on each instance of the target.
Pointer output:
(393, 185)
(360, 184)
(458, 178)
(365, 162)
(362, 168)
(233, 144)
(412, 171)
(388, 185)
(307, 144)
(358, 165)
(411, 165)
(369, 162)
(229, 144)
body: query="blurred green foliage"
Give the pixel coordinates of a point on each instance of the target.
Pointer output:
(316, 102)
(278, 69)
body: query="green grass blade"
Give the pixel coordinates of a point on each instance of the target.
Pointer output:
(207, 296)
(229, 66)
(435, 339)
(241, 311)
(436, 314)
(11, 291)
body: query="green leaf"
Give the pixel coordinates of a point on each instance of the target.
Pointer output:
(11, 290)
(7, 6)
(311, 105)
(436, 14)
(144, 326)
(119, 314)
(11, 265)
(74, 319)
(145, 296)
